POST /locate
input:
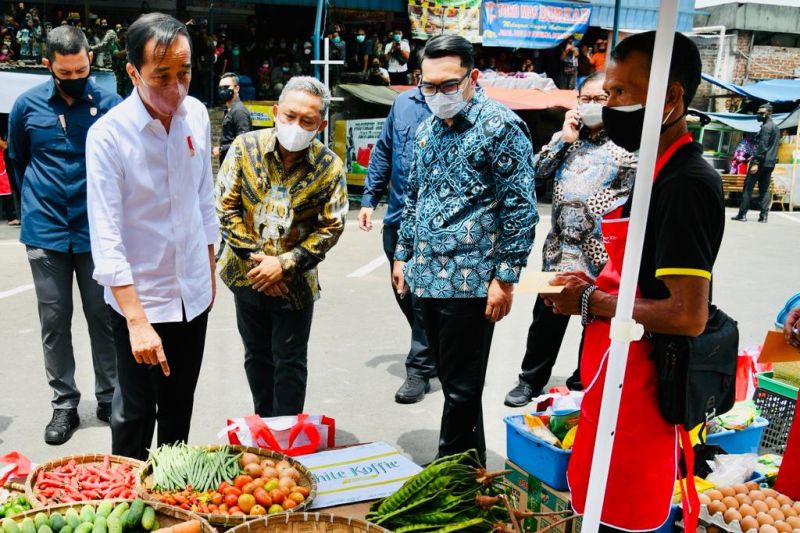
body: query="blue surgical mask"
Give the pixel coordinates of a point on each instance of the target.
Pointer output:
(360, 38)
(337, 39)
(397, 37)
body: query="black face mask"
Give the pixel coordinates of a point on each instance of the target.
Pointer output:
(72, 88)
(761, 118)
(225, 93)
(624, 126)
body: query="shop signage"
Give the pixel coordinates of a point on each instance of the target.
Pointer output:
(354, 142)
(531, 23)
(450, 17)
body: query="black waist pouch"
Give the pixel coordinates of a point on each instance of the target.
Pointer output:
(697, 375)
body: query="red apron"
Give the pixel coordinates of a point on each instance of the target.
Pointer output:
(644, 464)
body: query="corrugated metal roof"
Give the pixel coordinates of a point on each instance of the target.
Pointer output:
(639, 14)
(368, 5)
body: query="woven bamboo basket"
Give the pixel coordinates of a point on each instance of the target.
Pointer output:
(307, 480)
(307, 523)
(16, 489)
(166, 515)
(30, 484)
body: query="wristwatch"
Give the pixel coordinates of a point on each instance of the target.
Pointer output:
(586, 316)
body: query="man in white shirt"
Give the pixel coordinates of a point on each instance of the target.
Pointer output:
(153, 228)
(397, 53)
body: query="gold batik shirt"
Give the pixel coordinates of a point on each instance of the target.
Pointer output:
(296, 216)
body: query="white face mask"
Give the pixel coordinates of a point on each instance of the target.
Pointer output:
(446, 106)
(591, 114)
(293, 137)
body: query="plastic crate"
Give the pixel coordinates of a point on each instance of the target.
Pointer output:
(777, 401)
(544, 461)
(742, 441)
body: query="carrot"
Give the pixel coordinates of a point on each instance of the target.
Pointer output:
(192, 526)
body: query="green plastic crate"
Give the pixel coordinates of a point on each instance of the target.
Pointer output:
(777, 401)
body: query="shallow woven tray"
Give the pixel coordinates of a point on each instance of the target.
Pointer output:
(307, 480)
(166, 515)
(30, 493)
(306, 523)
(17, 489)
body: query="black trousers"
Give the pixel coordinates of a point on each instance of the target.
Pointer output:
(421, 361)
(461, 336)
(762, 177)
(399, 78)
(145, 396)
(545, 336)
(275, 351)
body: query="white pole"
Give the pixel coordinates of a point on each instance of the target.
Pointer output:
(325, 80)
(623, 328)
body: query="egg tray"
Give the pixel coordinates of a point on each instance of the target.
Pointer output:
(718, 520)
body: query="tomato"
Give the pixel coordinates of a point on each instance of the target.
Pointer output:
(257, 510)
(275, 508)
(285, 490)
(259, 482)
(213, 509)
(288, 503)
(241, 481)
(262, 498)
(277, 496)
(296, 496)
(249, 488)
(246, 502)
(222, 486)
(301, 490)
(217, 498)
(237, 512)
(231, 500)
(271, 485)
(223, 508)
(232, 490)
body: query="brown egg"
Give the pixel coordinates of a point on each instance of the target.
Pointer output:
(783, 499)
(793, 521)
(796, 506)
(714, 494)
(741, 488)
(783, 527)
(751, 485)
(788, 510)
(704, 499)
(772, 503)
(716, 507)
(727, 491)
(747, 510)
(748, 523)
(777, 515)
(714, 529)
(767, 528)
(743, 499)
(764, 518)
(770, 493)
(730, 502)
(757, 495)
(732, 515)
(760, 507)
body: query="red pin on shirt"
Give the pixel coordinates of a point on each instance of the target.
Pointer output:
(191, 145)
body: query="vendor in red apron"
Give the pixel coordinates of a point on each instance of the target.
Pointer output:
(683, 236)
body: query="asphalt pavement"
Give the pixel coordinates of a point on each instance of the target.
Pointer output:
(359, 341)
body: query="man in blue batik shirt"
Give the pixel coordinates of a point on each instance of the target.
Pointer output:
(391, 161)
(47, 142)
(467, 229)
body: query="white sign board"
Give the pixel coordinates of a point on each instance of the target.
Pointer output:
(357, 474)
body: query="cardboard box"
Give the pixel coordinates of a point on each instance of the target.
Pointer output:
(533, 495)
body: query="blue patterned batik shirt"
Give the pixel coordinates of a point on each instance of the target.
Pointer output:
(471, 211)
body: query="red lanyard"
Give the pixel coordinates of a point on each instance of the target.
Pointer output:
(686, 138)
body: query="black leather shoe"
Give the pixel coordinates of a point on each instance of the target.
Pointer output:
(61, 426)
(763, 220)
(521, 395)
(739, 218)
(104, 411)
(413, 390)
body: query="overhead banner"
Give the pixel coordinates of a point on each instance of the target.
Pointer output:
(449, 17)
(533, 24)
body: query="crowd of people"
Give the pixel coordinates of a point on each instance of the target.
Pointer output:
(140, 230)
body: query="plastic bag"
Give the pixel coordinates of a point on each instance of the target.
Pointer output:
(727, 470)
(740, 417)
(561, 422)
(569, 439)
(539, 429)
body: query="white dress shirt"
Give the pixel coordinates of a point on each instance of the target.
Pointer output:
(394, 64)
(151, 207)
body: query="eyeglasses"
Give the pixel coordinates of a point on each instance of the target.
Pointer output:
(447, 88)
(599, 99)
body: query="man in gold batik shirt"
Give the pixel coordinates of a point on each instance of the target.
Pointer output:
(282, 202)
